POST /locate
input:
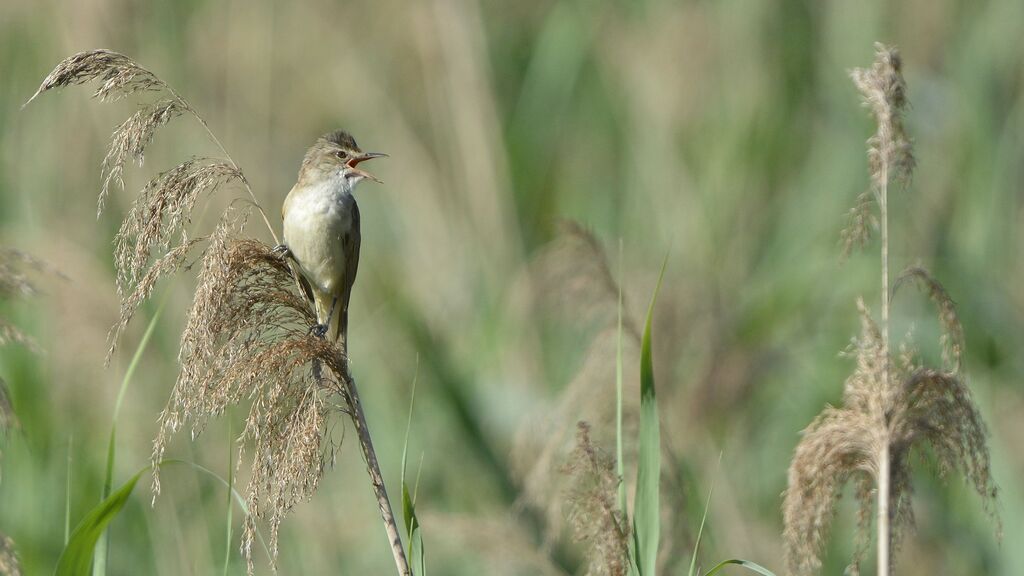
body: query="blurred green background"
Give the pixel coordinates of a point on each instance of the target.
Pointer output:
(725, 134)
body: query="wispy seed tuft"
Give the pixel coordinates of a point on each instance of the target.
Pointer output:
(594, 515)
(119, 75)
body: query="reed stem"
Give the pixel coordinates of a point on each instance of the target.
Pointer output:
(376, 478)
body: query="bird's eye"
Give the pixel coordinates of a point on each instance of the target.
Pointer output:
(341, 154)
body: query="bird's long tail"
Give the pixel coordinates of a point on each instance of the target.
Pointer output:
(337, 326)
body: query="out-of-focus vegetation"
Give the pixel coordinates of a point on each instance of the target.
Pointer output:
(726, 133)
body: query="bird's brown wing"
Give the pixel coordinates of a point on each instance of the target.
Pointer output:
(350, 244)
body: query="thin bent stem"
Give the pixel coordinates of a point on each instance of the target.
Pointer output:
(216, 141)
(376, 478)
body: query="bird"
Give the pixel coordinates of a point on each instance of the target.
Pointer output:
(321, 229)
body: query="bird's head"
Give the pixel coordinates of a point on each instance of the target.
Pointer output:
(337, 156)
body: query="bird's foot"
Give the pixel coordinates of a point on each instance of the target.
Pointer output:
(318, 330)
(282, 251)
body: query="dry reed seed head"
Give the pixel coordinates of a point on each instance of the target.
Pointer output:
(937, 407)
(885, 94)
(864, 389)
(163, 209)
(131, 139)
(8, 420)
(919, 406)
(860, 221)
(10, 334)
(119, 75)
(890, 153)
(571, 278)
(168, 264)
(596, 521)
(9, 564)
(839, 445)
(952, 338)
(15, 282)
(247, 340)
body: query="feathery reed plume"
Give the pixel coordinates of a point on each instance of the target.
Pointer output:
(248, 339)
(9, 565)
(952, 338)
(14, 283)
(891, 404)
(248, 334)
(594, 515)
(15, 267)
(164, 206)
(8, 419)
(570, 279)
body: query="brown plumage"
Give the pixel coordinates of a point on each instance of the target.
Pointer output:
(322, 228)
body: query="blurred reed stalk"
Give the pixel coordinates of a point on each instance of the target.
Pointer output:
(890, 405)
(247, 335)
(16, 269)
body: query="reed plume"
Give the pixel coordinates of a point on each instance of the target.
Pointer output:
(594, 514)
(15, 282)
(247, 339)
(892, 403)
(9, 564)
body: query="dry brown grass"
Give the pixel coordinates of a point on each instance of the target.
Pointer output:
(892, 404)
(9, 565)
(247, 338)
(594, 515)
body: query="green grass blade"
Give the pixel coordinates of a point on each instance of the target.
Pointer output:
(744, 563)
(77, 557)
(646, 505)
(412, 524)
(231, 509)
(414, 534)
(619, 464)
(100, 560)
(67, 495)
(700, 532)
(703, 519)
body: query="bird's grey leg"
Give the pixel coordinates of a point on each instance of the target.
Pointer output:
(282, 250)
(320, 330)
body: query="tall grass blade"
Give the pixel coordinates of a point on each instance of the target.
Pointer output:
(230, 511)
(700, 531)
(79, 553)
(619, 464)
(67, 495)
(646, 505)
(77, 557)
(413, 534)
(744, 563)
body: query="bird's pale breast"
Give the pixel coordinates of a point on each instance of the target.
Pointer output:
(316, 219)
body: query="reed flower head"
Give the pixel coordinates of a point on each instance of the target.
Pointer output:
(892, 404)
(247, 337)
(247, 340)
(594, 515)
(16, 270)
(890, 151)
(9, 564)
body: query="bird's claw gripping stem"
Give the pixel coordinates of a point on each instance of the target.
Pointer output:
(282, 251)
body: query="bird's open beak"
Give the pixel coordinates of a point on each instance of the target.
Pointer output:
(363, 158)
